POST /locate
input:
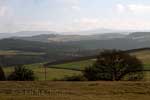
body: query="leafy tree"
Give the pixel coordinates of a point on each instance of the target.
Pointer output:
(21, 74)
(2, 74)
(113, 65)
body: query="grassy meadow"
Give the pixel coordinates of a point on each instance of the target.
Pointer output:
(52, 73)
(47, 90)
(79, 65)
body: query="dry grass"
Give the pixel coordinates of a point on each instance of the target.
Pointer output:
(144, 56)
(47, 90)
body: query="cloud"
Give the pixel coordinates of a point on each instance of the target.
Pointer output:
(68, 2)
(85, 24)
(3, 11)
(133, 8)
(73, 5)
(31, 25)
(76, 8)
(139, 8)
(95, 23)
(140, 24)
(89, 21)
(120, 8)
(71, 2)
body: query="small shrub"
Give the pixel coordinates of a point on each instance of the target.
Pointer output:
(21, 74)
(2, 74)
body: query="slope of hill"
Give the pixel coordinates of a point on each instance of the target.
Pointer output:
(50, 51)
(56, 46)
(5, 35)
(39, 38)
(67, 38)
(47, 36)
(106, 41)
(140, 36)
(97, 41)
(58, 70)
(44, 36)
(25, 34)
(81, 63)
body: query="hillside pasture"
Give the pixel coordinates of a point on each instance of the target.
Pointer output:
(51, 73)
(59, 71)
(143, 55)
(76, 65)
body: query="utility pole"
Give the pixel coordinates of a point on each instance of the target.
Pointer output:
(45, 71)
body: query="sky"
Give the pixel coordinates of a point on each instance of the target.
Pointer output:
(73, 15)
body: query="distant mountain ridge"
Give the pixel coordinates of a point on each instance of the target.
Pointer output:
(25, 34)
(108, 40)
(98, 31)
(67, 38)
(85, 32)
(138, 36)
(55, 46)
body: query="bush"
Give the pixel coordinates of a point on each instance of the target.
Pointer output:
(2, 75)
(113, 65)
(21, 74)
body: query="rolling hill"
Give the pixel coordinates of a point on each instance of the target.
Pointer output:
(97, 41)
(61, 69)
(55, 47)
(142, 54)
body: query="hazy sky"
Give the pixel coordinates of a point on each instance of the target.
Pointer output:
(73, 15)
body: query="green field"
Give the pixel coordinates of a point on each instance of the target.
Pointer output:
(144, 56)
(52, 73)
(15, 52)
(59, 71)
(79, 65)
(48, 90)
